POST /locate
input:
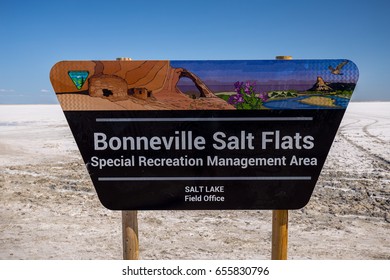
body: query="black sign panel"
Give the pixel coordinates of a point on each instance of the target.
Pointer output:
(150, 141)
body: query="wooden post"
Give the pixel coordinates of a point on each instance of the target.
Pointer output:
(279, 234)
(280, 223)
(130, 235)
(130, 227)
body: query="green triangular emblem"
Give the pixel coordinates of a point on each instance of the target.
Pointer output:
(78, 78)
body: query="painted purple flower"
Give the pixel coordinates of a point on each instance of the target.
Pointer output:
(246, 96)
(238, 86)
(236, 99)
(263, 96)
(249, 88)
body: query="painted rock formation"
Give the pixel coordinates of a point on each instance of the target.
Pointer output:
(129, 85)
(320, 85)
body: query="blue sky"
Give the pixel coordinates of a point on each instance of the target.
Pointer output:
(37, 34)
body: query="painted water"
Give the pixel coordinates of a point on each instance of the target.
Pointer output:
(295, 103)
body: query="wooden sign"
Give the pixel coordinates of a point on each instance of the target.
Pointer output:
(204, 134)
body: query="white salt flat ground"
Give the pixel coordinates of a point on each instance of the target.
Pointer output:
(33, 133)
